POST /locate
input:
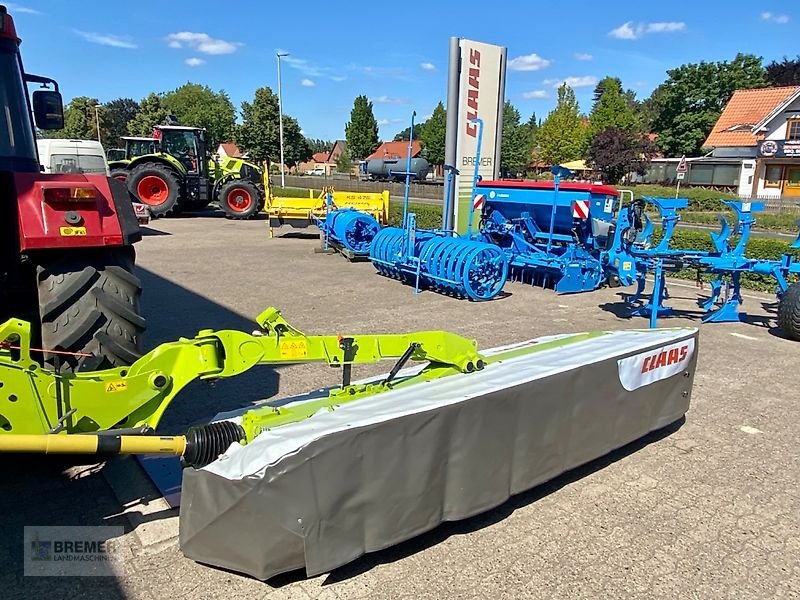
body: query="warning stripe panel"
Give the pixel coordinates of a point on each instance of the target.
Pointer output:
(580, 209)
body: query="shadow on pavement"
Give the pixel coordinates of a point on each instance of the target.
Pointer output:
(67, 491)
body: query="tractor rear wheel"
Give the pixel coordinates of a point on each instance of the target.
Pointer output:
(240, 199)
(120, 174)
(157, 186)
(789, 312)
(89, 306)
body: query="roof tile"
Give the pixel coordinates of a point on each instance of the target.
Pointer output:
(745, 110)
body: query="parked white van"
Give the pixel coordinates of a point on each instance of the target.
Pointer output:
(80, 156)
(72, 156)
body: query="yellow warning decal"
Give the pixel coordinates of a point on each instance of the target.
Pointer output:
(72, 231)
(627, 265)
(116, 386)
(293, 349)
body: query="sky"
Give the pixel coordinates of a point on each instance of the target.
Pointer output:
(94, 48)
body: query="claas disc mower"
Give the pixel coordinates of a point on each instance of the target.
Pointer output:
(316, 480)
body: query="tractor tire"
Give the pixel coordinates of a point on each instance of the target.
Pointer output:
(789, 312)
(156, 186)
(240, 199)
(89, 305)
(120, 174)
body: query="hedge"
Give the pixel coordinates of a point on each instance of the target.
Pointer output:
(700, 199)
(757, 248)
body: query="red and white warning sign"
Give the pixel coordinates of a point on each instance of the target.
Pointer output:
(478, 201)
(580, 209)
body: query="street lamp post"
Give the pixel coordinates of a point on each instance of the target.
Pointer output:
(97, 120)
(280, 112)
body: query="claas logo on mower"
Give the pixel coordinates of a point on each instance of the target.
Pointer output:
(665, 358)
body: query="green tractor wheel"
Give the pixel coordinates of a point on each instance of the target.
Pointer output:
(157, 186)
(240, 199)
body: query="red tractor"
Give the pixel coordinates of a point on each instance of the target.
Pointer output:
(66, 241)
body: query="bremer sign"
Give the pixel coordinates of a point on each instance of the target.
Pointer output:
(481, 93)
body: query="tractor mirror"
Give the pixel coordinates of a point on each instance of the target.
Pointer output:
(48, 109)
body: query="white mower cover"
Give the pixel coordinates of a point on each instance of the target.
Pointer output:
(319, 493)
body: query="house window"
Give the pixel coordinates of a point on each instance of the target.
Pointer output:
(793, 129)
(774, 176)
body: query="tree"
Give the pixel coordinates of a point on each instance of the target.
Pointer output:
(405, 134)
(689, 102)
(151, 112)
(432, 135)
(319, 145)
(786, 72)
(361, 132)
(562, 136)
(531, 129)
(80, 121)
(611, 108)
(196, 105)
(118, 113)
(259, 133)
(343, 163)
(616, 153)
(514, 155)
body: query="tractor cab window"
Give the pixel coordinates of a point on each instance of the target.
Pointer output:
(16, 132)
(183, 146)
(140, 148)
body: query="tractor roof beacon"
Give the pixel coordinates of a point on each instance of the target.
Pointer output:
(172, 171)
(66, 240)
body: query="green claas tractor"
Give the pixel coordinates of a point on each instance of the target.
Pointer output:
(172, 171)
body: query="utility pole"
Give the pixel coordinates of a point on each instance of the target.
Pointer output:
(97, 120)
(280, 112)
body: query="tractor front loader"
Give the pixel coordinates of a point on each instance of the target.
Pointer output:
(66, 241)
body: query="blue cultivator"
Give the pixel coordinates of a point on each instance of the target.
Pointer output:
(439, 260)
(348, 230)
(634, 257)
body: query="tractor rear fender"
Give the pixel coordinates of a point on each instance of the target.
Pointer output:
(73, 211)
(119, 164)
(164, 159)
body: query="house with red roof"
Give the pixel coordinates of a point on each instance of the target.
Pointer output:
(323, 163)
(396, 150)
(760, 129)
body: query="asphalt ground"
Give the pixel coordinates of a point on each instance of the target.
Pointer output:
(708, 508)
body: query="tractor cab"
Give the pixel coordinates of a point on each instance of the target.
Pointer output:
(137, 146)
(187, 144)
(17, 139)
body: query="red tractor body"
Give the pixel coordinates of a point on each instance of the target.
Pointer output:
(66, 255)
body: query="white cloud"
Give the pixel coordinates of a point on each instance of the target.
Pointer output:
(201, 42)
(388, 100)
(16, 8)
(384, 122)
(666, 27)
(308, 68)
(529, 62)
(780, 19)
(307, 83)
(115, 41)
(194, 61)
(427, 66)
(624, 32)
(535, 94)
(583, 56)
(631, 31)
(576, 82)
